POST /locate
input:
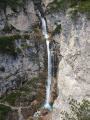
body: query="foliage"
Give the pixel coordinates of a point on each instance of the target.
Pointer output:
(32, 82)
(36, 30)
(57, 6)
(9, 29)
(7, 44)
(11, 97)
(26, 46)
(3, 111)
(79, 111)
(2, 69)
(57, 30)
(26, 36)
(14, 4)
(74, 14)
(26, 90)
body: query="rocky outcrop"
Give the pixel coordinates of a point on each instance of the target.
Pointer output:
(47, 2)
(74, 71)
(26, 66)
(22, 20)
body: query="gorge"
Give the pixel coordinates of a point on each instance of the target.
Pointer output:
(45, 59)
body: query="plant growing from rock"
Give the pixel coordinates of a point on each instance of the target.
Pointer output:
(2, 68)
(57, 30)
(3, 111)
(79, 111)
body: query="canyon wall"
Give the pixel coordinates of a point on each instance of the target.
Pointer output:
(30, 47)
(74, 67)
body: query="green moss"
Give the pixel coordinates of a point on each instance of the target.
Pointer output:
(57, 30)
(11, 97)
(32, 82)
(3, 111)
(2, 69)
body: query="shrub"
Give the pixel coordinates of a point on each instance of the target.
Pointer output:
(11, 97)
(7, 44)
(3, 111)
(26, 36)
(26, 90)
(14, 4)
(9, 28)
(57, 30)
(2, 69)
(80, 111)
(32, 82)
(81, 5)
(74, 14)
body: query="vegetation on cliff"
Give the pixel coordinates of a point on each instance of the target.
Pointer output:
(57, 30)
(14, 4)
(3, 111)
(79, 111)
(7, 45)
(82, 6)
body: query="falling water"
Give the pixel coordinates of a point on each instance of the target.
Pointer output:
(48, 86)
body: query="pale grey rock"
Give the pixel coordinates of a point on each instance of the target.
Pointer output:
(26, 66)
(74, 67)
(23, 20)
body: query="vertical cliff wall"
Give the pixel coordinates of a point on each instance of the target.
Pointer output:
(74, 67)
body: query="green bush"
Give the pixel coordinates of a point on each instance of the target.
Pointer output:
(57, 30)
(3, 111)
(14, 4)
(74, 14)
(81, 5)
(55, 6)
(80, 111)
(7, 44)
(26, 36)
(2, 69)
(32, 82)
(11, 97)
(26, 90)
(9, 29)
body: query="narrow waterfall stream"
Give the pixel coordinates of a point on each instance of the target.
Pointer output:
(50, 73)
(48, 86)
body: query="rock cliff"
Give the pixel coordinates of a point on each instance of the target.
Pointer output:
(23, 56)
(74, 66)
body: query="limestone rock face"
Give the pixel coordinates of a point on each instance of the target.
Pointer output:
(26, 66)
(23, 20)
(74, 67)
(48, 1)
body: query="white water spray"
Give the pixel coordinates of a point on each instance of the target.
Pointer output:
(48, 86)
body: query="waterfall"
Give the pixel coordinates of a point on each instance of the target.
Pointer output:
(48, 86)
